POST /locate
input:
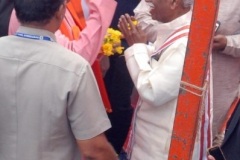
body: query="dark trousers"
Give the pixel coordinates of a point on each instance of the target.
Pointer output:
(119, 88)
(231, 143)
(119, 85)
(121, 121)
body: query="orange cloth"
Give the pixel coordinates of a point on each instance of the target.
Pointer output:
(229, 115)
(75, 9)
(96, 67)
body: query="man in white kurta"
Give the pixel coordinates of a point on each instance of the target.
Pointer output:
(157, 81)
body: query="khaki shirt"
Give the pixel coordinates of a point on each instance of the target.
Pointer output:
(48, 98)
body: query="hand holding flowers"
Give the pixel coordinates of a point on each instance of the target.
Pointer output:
(132, 33)
(112, 39)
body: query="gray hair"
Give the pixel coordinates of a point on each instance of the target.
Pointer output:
(187, 3)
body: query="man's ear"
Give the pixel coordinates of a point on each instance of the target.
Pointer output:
(61, 12)
(174, 4)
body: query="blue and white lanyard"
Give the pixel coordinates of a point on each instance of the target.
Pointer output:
(35, 37)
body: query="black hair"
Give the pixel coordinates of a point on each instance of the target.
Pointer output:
(40, 11)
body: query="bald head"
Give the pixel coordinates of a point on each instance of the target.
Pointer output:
(168, 10)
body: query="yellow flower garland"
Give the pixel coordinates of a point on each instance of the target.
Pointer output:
(112, 42)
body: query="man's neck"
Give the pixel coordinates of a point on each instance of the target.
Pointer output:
(49, 27)
(180, 12)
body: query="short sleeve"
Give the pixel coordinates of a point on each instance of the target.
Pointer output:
(86, 113)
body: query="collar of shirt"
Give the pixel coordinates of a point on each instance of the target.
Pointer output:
(165, 29)
(37, 32)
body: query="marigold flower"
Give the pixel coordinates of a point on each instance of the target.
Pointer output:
(112, 42)
(107, 49)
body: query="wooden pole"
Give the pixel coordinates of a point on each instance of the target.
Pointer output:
(194, 72)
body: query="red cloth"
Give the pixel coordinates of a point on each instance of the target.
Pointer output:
(99, 78)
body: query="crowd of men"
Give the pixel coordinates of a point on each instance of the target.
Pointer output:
(50, 104)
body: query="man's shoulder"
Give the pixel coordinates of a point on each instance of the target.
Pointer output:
(4, 38)
(51, 54)
(67, 59)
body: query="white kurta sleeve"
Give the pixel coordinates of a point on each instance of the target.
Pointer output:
(159, 83)
(137, 59)
(233, 46)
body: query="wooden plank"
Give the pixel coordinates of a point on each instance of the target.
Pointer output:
(188, 107)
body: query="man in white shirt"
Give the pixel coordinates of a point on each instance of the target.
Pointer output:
(156, 72)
